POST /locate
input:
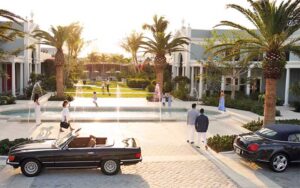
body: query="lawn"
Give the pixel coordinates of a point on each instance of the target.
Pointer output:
(89, 88)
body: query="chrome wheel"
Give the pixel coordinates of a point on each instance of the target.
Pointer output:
(279, 162)
(110, 166)
(31, 167)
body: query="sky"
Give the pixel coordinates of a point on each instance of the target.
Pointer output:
(107, 22)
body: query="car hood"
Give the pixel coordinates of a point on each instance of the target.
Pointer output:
(33, 145)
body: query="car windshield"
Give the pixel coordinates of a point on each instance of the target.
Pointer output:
(266, 132)
(60, 141)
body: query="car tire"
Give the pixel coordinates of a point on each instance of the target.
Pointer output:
(31, 167)
(279, 162)
(110, 167)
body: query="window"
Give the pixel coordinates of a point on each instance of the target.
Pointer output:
(228, 81)
(287, 55)
(294, 137)
(265, 132)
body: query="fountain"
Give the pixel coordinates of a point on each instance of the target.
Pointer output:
(37, 89)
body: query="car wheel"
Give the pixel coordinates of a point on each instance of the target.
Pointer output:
(110, 167)
(31, 167)
(279, 162)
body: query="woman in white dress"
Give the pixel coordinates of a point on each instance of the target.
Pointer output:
(37, 110)
(65, 115)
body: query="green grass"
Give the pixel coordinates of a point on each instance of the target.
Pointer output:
(125, 91)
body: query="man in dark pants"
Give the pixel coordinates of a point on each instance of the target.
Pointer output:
(201, 126)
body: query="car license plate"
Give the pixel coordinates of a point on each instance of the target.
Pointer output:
(237, 150)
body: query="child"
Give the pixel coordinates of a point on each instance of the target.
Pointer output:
(163, 100)
(102, 87)
(95, 99)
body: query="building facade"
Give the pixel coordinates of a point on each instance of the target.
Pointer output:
(192, 61)
(16, 69)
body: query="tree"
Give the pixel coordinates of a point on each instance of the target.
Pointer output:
(233, 66)
(7, 31)
(275, 24)
(131, 44)
(160, 44)
(56, 38)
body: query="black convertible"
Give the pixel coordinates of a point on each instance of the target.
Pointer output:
(276, 144)
(74, 151)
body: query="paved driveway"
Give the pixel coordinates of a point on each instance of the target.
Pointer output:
(168, 161)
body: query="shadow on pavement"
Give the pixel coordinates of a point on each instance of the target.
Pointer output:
(86, 178)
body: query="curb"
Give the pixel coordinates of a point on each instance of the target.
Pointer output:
(242, 176)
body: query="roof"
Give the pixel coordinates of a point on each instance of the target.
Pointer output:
(283, 130)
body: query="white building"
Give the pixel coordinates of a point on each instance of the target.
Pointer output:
(191, 63)
(18, 68)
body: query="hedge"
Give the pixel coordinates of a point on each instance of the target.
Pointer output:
(246, 104)
(65, 97)
(256, 125)
(138, 83)
(4, 100)
(5, 144)
(221, 143)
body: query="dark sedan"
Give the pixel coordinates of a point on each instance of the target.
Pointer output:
(74, 151)
(276, 144)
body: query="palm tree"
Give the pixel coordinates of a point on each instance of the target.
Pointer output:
(7, 32)
(161, 44)
(275, 24)
(131, 44)
(56, 38)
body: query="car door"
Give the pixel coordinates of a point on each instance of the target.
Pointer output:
(294, 150)
(76, 157)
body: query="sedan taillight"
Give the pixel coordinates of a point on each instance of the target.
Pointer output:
(138, 155)
(11, 158)
(253, 147)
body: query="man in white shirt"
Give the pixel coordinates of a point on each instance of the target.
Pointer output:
(191, 119)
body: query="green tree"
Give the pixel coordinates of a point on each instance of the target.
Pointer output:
(56, 38)
(275, 24)
(132, 44)
(161, 44)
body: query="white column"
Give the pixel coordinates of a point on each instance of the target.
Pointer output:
(287, 86)
(177, 71)
(201, 82)
(223, 83)
(21, 79)
(248, 82)
(36, 71)
(192, 81)
(173, 71)
(13, 78)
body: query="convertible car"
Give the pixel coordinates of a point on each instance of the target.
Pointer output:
(73, 151)
(276, 144)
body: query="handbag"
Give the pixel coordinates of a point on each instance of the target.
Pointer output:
(64, 124)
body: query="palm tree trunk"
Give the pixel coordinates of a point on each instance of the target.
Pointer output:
(59, 80)
(270, 101)
(232, 88)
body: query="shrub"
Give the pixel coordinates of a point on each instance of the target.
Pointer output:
(167, 87)
(256, 125)
(297, 106)
(150, 88)
(65, 97)
(221, 143)
(241, 104)
(7, 100)
(5, 144)
(137, 83)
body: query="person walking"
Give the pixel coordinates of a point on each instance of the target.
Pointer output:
(37, 110)
(163, 99)
(221, 106)
(103, 87)
(201, 126)
(107, 86)
(95, 98)
(191, 119)
(169, 99)
(65, 117)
